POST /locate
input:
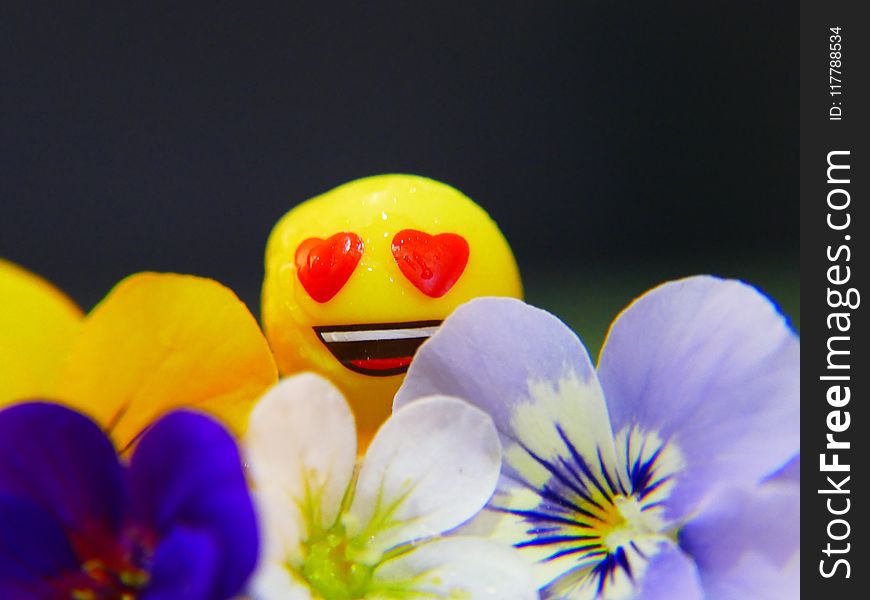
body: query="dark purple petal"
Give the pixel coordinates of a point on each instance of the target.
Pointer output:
(713, 366)
(61, 460)
(33, 549)
(186, 472)
(672, 575)
(185, 566)
(746, 543)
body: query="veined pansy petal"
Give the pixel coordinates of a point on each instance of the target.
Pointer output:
(160, 341)
(456, 567)
(301, 444)
(200, 504)
(671, 574)
(32, 553)
(746, 540)
(185, 566)
(431, 467)
(712, 366)
(528, 371)
(664, 571)
(80, 481)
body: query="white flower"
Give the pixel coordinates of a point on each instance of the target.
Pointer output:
(334, 533)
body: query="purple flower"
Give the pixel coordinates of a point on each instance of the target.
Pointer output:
(652, 476)
(77, 523)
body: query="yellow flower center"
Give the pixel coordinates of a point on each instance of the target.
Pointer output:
(331, 570)
(626, 522)
(604, 515)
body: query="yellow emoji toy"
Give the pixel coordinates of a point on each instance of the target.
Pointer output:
(357, 278)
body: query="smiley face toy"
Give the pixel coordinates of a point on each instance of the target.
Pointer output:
(359, 277)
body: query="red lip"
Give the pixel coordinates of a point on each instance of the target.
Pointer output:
(376, 349)
(382, 364)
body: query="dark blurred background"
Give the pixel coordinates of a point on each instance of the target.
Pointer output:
(617, 144)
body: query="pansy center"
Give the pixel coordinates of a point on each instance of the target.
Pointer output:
(111, 567)
(600, 510)
(630, 523)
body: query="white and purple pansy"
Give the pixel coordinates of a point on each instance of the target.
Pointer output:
(178, 522)
(658, 475)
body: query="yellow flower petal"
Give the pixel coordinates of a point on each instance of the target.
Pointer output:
(161, 341)
(37, 325)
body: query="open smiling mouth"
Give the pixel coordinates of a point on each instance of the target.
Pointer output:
(378, 349)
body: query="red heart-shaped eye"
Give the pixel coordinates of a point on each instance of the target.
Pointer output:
(433, 263)
(324, 266)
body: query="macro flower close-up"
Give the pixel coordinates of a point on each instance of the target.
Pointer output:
(428, 301)
(337, 531)
(156, 342)
(175, 522)
(670, 471)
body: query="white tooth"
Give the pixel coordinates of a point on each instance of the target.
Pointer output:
(377, 334)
